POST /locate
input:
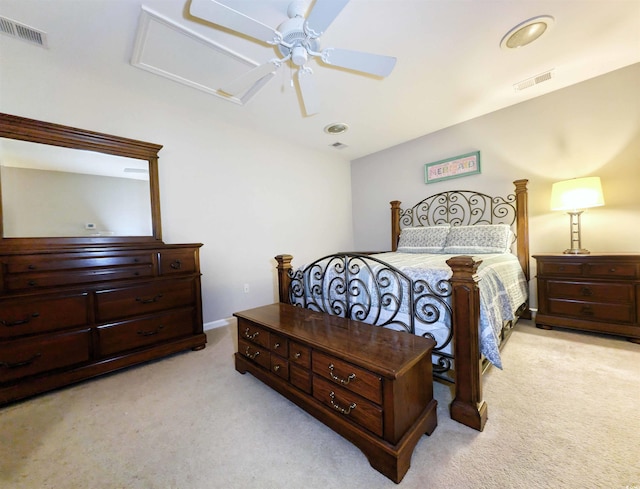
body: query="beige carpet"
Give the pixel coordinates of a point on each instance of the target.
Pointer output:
(565, 413)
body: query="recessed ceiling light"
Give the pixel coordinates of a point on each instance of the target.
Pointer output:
(336, 128)
(526, 32)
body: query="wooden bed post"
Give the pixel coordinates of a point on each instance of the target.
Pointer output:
(395, 224)
(467, 407)
(522, 228)
(284, 265)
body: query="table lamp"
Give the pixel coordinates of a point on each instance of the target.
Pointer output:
(574, 196)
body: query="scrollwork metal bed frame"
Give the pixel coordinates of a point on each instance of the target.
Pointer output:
(364, 288)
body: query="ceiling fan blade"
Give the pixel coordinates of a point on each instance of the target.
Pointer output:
(250, 78)
(374, 64)
(224, 16)
(322, 15)
(308, 91)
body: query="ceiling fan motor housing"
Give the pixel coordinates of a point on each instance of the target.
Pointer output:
(293, 34)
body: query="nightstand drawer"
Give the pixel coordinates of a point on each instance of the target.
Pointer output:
(563, 269)
(590, 291)
(593, 311)
(610, 269)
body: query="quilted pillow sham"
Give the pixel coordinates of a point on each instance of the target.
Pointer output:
(481, 238)
(423, 239)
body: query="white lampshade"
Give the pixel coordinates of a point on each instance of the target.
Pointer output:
(577, 193)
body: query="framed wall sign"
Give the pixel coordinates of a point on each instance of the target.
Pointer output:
(458, 166)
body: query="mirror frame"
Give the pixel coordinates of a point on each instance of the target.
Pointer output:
(16, 127)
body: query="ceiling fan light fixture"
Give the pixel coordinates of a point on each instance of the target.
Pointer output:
(526, 32)
(336, 128)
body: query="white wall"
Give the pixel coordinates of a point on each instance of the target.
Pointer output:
(592, 128)
(244, 196)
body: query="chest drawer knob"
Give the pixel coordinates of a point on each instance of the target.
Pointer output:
(248, 353)
(297, 355)
(24, 363)
(586, 291)
(149, 301)
(349, 378)
(276, 368)
(337, 407)
(250, 336)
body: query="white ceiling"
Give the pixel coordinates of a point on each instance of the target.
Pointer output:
(450, 65)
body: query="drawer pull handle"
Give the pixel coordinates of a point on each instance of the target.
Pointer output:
(251, 355)
(337, 407)
(297, 355)
(18, 322)
(21, 364)
(612, 270)
(586, 291)
(31, 267)
(586, 310)
(149, 301)
(277, 345)
(151, 333)
(176, 265)
(31, 283)
(276, 368)
(338, 379)
(250, 336)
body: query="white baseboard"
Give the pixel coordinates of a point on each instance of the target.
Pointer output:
(220, 323)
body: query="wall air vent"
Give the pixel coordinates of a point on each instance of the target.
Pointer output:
(534, 80)
(24, 32)
(339, 145)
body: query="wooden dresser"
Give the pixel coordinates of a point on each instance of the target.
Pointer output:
(68, 315)
(371, 385)
(596, 292)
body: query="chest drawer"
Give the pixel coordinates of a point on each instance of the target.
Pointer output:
(129, 335)
(299, 354)
(250, 332)
(594, 311)
(349, 405)
(255, 353)
(279, 345)
(22, 358)
(30, 316)
(349, 376)
(300, 377)
(591, 291)
(177, 261)
(153, 297)
(279, 366)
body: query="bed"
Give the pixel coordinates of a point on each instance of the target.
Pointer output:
(457, 272)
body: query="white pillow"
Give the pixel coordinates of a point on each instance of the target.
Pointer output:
(423, 239)
(481, 238)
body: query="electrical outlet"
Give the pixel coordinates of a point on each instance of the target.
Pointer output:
(246, 288)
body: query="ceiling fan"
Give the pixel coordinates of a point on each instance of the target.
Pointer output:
(296, 39)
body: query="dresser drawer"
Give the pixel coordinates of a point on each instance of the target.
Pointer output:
(344, 374)
(177, 261)
(299, 354)
(21, 358)
(24, 281)
(30, 316)
(300, 377)
(129, 335)
(593, 311)
(590, 291)
(348, 404)
(251, 332)
(34, 263)
(152, 297)
(255, 353)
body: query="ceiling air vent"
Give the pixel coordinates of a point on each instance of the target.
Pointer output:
(534, 80)
(24, 32)
(339, 145)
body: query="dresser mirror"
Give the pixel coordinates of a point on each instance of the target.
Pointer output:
(63, 185)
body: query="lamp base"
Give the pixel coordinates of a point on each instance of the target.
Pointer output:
(576, 251)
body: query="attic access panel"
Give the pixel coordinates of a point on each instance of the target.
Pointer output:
(179, 54)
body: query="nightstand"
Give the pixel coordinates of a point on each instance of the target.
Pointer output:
(596, 292)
